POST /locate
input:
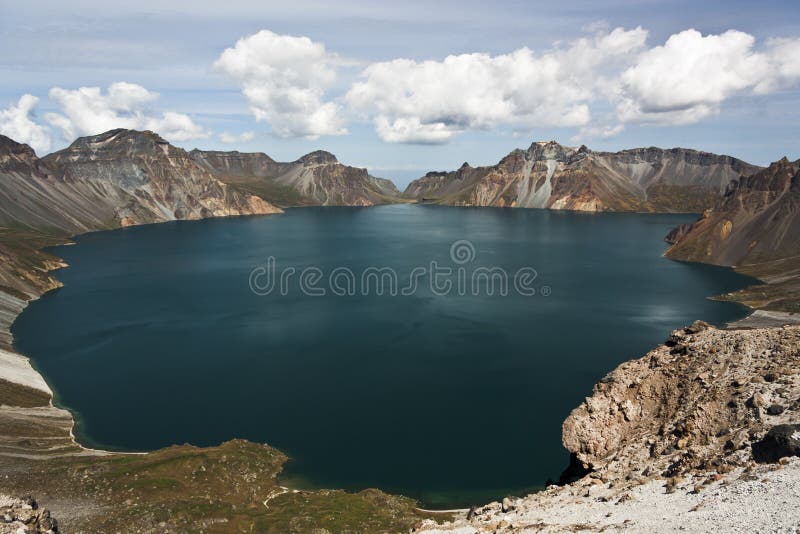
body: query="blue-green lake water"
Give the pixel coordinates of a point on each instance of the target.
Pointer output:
(157, 338)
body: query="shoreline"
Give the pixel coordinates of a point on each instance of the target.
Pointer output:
(60, 264)
(11, 307)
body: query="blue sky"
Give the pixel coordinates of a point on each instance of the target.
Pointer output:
(171, 48)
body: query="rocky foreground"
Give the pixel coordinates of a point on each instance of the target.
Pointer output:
(697, 435)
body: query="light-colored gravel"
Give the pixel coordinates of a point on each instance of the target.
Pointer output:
(764, 500)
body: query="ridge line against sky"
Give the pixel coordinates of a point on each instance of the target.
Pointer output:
(272, 78)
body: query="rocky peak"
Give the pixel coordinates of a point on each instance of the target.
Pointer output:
(549, 150)
(777, 177)
(318, 157)
(118, 143)
(10, 148)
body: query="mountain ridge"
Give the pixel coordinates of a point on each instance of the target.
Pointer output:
(550, 175)
(314, 179)
(756, 229)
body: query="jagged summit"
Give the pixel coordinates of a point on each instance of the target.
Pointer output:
(758, 222)
(117, 178)
(551, 175)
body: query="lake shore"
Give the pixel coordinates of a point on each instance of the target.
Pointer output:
(95, 490)
(55, 425)
(676, 440)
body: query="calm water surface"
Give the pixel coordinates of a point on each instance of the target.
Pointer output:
(157, 339)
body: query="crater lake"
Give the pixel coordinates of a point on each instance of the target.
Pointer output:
(453, 397)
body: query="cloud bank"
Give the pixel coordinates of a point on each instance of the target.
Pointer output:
(597, 85)
(89, 111)
(431, 101)
(285, 80)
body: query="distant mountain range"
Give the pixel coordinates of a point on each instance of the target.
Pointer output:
(119, 178)
(316, 179)
(128, 177)
(549, 175)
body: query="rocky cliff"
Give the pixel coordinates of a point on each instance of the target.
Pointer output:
(755, 229)
(758, 221)
(118, 178)
(140, 178)
(316, 179)
(33, 195)
(549, 175)
(697, 435)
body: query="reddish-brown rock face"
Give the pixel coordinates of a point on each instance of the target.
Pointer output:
(142, 179)
(549, 175)
(118, 178)
(759, 221)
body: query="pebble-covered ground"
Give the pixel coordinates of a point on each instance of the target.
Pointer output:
(766, 499)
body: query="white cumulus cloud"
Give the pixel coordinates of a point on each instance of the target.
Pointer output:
(16, 123)
(431, 101)
(89, 111)
(284, 79)
(595, 84)
(784, 60)
(691, 75)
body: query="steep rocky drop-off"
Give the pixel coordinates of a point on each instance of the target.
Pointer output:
(139, 177)
(316, 179)
(758, 221)
(692, 436)
(549, 175)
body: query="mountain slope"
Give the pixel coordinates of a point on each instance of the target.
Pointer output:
(32, 194)
(118, 178)
(757, 230)
(549, 175)
(316, 179)
(138, 177)
(758, 221)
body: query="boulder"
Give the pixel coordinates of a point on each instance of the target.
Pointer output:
(780, 441)
(775, 409)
